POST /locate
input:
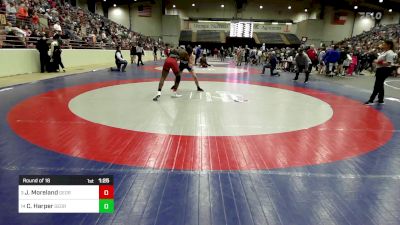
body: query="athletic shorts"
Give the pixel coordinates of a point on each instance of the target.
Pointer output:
(184, 66)
(171, 63)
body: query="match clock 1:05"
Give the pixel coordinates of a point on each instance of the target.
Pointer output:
(104, 180)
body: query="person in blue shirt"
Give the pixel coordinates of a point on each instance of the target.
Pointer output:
(198, 53)
(331, 59)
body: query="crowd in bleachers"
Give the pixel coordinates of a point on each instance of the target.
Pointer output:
(367, 45)
(352, 56)
(28, 19)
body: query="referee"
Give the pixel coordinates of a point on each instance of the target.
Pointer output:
(384, 70)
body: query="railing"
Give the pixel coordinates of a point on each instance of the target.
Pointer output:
(17, 38)
(12, 41)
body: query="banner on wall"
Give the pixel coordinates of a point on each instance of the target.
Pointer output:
(339, 18)
(144, 11)
(278, 28)
(210, 26)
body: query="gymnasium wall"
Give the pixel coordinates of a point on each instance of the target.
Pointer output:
(82, 4)
(391, 18)
(308, 25)
(150, 26)
(312, 29)
(171, 28)
(28, 59)
(273, 9)
(128, 15)
(99, 8)
(120, 15)
(325, 31)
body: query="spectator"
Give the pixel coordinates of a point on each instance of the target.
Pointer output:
(198, 53)
(133, 53)
(312, 54)
(331, 59)
(55, 54)
(139, 53)
(35, 21)
(302, 62)
(57, 28)
(22, 14)
(155, 49)
(203, 61)
(43, 49)
(11, 12)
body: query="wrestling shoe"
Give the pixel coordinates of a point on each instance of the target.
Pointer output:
(157, 96)
(368, 103)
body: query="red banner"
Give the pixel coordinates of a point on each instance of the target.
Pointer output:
(339, 18)
(144, 11)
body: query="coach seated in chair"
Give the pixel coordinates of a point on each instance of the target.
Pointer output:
(119, 61)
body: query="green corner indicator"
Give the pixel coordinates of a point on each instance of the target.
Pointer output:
(106, 206)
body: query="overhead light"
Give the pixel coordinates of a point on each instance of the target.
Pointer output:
(289, 7)
(355, 7)
(104, 0)
(275, 23)
(193, 5)
(305, 10)
(222, 6)
(173, 6)
(115, 5)
(380, 1)
(261, 7)
(390, 10)
(288, 23)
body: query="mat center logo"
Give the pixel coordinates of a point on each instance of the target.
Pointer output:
(217, 96)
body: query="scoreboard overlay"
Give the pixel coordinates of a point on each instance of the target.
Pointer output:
(66, 194)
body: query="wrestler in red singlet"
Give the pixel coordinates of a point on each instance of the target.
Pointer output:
(171, 63)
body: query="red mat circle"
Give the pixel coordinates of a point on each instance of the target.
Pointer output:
(45, 120)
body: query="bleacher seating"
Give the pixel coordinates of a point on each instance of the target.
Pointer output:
(372, 39)
(208, 36)
(270, 38)
(293, 39)
(78, 27)
(186, 36)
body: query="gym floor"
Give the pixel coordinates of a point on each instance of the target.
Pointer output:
(251, 149)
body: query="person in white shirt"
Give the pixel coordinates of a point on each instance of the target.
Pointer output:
(139, 53)
(384, 70)
(55, 53)
(119, 61)
(57, 28)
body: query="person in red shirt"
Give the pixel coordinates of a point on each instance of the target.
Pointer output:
(22, 14)
(171, 63)
(35, 20)
(312, 54)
